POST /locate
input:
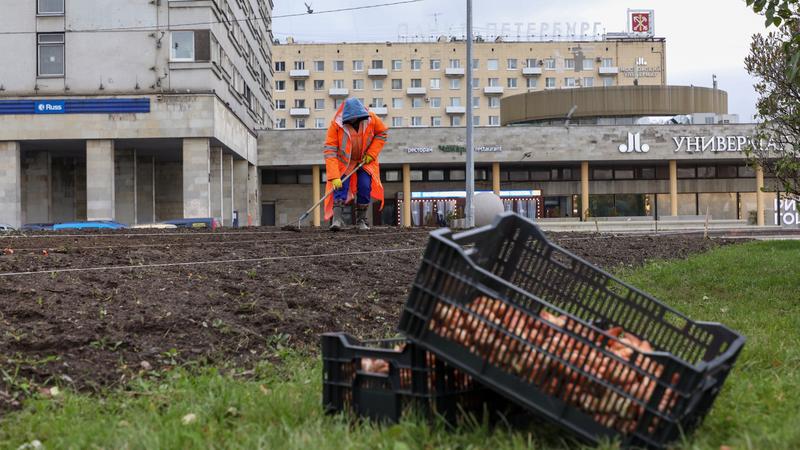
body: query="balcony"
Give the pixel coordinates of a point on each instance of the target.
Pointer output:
(456, 109)
(531, 71)
(416, 91)
(493, 90)
(338, 92)
(380, 110)
(454, 71)
(300, 112)
(377, 72)
(299, 73)
(608, 70)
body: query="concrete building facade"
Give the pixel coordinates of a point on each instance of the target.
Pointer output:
(119, 111)
(422, 84)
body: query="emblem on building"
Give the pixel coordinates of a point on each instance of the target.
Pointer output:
(634, 144)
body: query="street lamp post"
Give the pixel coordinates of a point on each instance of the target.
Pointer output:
(470, 205)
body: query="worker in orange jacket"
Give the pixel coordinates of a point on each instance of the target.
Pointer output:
(355, 135)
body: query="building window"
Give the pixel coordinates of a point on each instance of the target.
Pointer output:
(569, 63)
(540, 175)
(494, 102)
(623, 174)
(726, 171)
(569, 82)
(416, 102)
(280, 66)
(416, 82)
(476, 64)
(602, 174)
(455, 83)
(280, 85)
(416, 175)
(319, 122)
(588, 64)
(744, 172)
(299, 65)
(416, 121)
(319, 66)
(358, 65)
(511, 83)
(397, 64)
(300, 123)
(436, 102)
(50, 7)
(436, 64)
(476, 102)
(416, 64)
(338, 66)
(397, 121)
(455, 64)
(550, 63)
(299, 103)
(687, 172)
(550, 82)
(299, 85)
(531, 82)
(51, 54)
(280, 104)
(511, 64)
(530, 62)
(319, 103)
(182, 47)
(397, 84)
(319, 85)
(435, 83)
(494, 82)
(377, 85)
(455, 101)
(435, 175)
(455, 121)
(494, 121)
(397, 103)
(280, 123)
(607, 62)
(436, 121)
(491, 64)
(377, 102)
(607, 81)
(338, 84)
(337, 103)
(392, 176)
(588, 82)
(377, 64)
(476, 121)
(706, 172)
(358, 85)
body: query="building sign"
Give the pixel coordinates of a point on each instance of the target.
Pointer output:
(462, 149)
(789, 214)
(641, 22)
(717, 144)
(634, 145)
(49, 107)
(419, 149)
(641, 72)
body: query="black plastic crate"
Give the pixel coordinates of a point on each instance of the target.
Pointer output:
(415, 379)
(478, 302)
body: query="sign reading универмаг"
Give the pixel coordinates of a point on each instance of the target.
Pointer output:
(76, 106)
(49, 107)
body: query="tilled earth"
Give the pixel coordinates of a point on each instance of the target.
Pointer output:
(91, 310)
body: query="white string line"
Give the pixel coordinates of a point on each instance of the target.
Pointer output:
(190, 244)
(165, 234)
(198, 263)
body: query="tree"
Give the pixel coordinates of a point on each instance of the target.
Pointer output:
(776, 145)
(780, 13)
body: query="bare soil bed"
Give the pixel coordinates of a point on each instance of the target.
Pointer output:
(256, 289)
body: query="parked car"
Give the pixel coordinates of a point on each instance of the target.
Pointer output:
(90, 225)
(37, 227)
(154, 226)
(202, 222)
(5, 228)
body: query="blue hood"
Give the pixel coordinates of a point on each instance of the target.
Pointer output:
(353, 109)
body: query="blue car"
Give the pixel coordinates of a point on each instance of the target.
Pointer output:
(90, 225)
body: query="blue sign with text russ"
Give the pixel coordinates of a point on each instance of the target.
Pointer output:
(49, 107)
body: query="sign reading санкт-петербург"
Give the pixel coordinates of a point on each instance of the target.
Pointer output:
(49, 107)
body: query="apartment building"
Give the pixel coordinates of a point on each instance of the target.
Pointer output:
(423, 84)
(132, 110)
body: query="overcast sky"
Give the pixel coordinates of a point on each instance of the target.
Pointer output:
(704, 37)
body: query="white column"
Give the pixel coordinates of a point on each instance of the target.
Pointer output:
(196, 178)
(100, 189)
(10, 184)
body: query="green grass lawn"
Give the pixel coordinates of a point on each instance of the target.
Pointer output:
(753, 288)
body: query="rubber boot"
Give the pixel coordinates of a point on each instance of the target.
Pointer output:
(361, 218)
(338, 212)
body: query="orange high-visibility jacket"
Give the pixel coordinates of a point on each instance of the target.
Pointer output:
(337, 153)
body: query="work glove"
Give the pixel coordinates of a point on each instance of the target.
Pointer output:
(367, 159)
(337, 183)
